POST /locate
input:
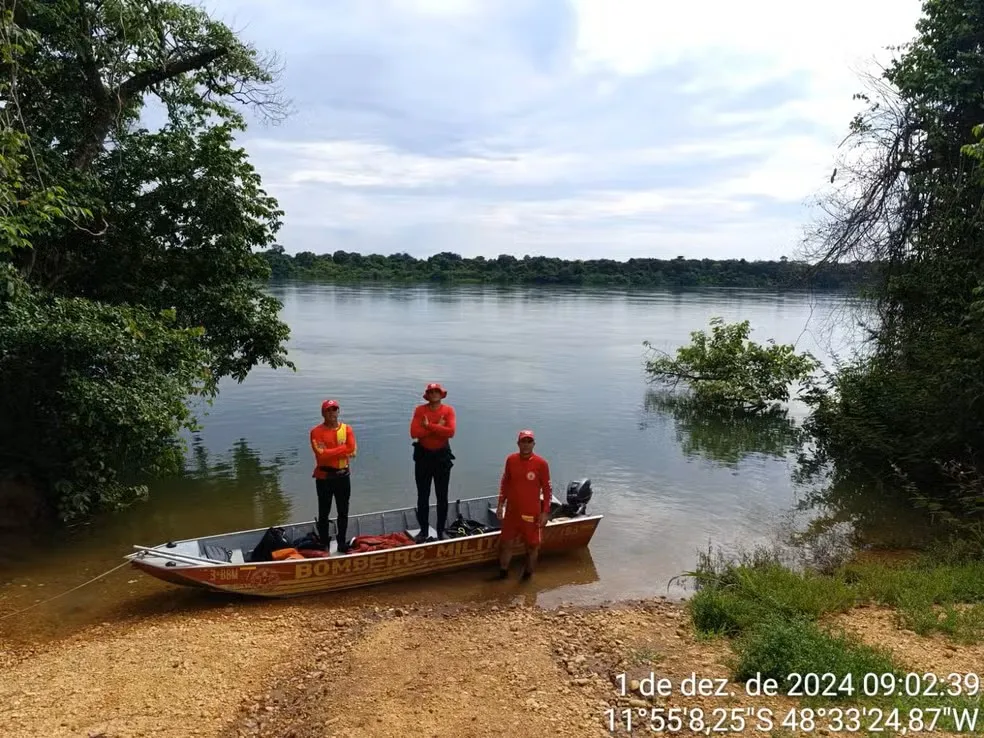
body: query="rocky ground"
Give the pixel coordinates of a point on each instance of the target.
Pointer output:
(287, 670)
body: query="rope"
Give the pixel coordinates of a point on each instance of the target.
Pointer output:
(43, 602)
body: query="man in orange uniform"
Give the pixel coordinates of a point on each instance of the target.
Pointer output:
(526, 475)
(432, 428)
(334, 446)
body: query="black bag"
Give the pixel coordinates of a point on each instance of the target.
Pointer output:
(310, 541)
(273, 539)
(466, 527)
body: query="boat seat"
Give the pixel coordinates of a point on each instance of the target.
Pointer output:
(237, 556)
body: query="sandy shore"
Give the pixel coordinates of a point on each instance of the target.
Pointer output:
(285, 670)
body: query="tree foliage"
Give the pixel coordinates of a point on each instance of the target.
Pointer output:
(93, 394)
(725, 370)
(910, 408)
(131, 279)
(445, 267)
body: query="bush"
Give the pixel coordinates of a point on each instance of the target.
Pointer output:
(91, 393)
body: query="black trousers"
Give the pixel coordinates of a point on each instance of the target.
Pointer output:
(427, 468)
(338, 488)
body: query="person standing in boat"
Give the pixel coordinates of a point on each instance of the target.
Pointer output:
(521, 508)
(334, 447)
(432, 427)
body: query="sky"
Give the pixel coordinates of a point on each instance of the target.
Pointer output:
(571, 128)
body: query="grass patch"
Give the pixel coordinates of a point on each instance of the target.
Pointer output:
(928, 597)
(961, 624)
(778, 647)
(771, 613)
(919, 581)
(733, 596)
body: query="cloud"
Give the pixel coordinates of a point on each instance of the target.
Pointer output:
(573, 128)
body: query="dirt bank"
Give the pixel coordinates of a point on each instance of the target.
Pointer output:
(290, 671)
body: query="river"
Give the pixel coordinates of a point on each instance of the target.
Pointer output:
(566, 362)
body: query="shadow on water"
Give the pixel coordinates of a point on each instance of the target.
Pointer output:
(723, 437)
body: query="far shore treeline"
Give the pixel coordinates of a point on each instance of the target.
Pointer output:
(346, 266)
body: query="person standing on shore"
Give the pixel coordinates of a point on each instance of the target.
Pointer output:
(334, 447)
(521, 509)
(432, 427)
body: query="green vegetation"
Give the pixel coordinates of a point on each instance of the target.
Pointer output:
(780, 623)
(907, 418)
(129, 278)
(903, 421)
(728, 371)
(446, 267)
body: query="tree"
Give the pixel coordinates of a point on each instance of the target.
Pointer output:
(727, 371)
(179, 211)
(909, 410)
(130, 255)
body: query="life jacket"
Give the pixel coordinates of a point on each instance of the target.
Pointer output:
(361, 544)
(341, 436)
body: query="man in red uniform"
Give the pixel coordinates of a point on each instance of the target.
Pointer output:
(524, 478)
(432, 428)
(334, 445)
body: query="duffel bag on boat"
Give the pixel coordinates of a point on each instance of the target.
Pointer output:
(273, 540)
(467, 527)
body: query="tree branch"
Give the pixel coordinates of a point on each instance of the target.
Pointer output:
(115, 101)
(141, 81)
(88, 61)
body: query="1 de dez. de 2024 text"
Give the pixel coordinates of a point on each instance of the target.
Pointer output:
(871, 684)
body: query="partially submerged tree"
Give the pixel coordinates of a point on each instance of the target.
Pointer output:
(129, 255)
(725, 370)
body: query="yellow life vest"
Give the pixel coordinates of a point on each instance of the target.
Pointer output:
(341, 436)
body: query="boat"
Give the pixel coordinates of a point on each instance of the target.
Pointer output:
(225, 562)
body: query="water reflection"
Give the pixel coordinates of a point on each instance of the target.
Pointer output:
(726, 438)
(236, 490)
(875, 515)
(240, 471)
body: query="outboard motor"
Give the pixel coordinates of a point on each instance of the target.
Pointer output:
(578, 497)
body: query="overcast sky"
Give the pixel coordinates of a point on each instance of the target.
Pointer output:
(570, 128)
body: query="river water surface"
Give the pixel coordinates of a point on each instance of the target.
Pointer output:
(567, 363)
